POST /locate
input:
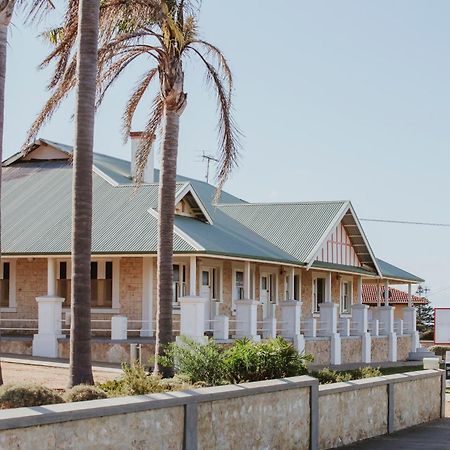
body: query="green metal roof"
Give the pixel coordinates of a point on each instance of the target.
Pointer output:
(392, 272)
(296, 228)
(36, 206)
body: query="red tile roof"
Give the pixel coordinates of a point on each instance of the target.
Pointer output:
(396, 296)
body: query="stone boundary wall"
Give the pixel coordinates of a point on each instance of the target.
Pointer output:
(291, 413)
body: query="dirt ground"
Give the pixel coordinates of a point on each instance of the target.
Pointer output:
(52, 377)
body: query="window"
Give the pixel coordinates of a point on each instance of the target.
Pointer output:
(5, 286)
(179, 282)
(296, 288)
(101, 284)
(239, 285)
(346, 296)
(318, 293)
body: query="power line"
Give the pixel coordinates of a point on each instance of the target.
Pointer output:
(407, 222)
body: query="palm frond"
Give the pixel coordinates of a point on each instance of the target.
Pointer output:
(134, 101)
(228, 133)
(145, 146)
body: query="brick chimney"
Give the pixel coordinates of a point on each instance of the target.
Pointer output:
(149, 172)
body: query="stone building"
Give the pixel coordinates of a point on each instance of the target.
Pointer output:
(240, 269)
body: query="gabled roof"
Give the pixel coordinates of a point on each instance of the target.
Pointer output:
(396, 296)
(394, 273)
(37, 208)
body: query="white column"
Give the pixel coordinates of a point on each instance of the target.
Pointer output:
(147, 297)
(192, 318)
(45, 342)
(328, 289)
(193, 276)
(409, 322)
(51, 277)
(409, 295)
(119, 328)
(247, 283)
(387, 327)
(359, 298)
(378, 294)
(386, 293)
(221, 327)
(292, 285)
(246, 319)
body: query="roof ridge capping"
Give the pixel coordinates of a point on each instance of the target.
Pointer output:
(283, 203)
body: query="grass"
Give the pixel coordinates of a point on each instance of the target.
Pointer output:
(400, 369)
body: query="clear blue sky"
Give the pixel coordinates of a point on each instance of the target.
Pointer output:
(337, 100)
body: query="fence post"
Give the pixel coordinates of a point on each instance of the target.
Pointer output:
(314, 416)
(119, 325)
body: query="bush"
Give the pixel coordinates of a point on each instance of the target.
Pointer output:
(84, 392)
(427, 335)
(27, 394)
(328, 376)
(275, 358)
(136, 381)
(439, 350)
(196, 363)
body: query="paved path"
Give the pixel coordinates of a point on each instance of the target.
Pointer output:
(431, 436)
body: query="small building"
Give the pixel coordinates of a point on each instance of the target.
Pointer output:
(397, 298)
(241, 269)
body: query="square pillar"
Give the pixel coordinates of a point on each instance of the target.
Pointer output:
(410, 326)
(328, 319)
(270, 328)
(374, 326)
(291, 314)
(119, 326)
(360, 323)
(221, 325)
(345, 327)
(246, 319)
(45, 342)
(335, 350)
(192, 318)
(387, 329)
(310, 328)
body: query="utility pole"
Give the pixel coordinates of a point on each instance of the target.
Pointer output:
(208, 159)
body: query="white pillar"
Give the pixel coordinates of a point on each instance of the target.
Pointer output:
(328, 319)
(45, 342)
(247, 283)
(290, 318)
(192, 318)
(387, 329)
(270, 328)
(193, 276)
(386, 293)
(328, 290)
(292, 285)
(246, 319)
(119, 328)
(51, 277)
(147, 297)
(221, 327)
(378, 294)
(360, 327)
(344, 327)
(310, 329)
(409, 296)
(359, 298)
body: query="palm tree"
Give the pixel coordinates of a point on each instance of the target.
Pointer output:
(162, 33)
(6, 12)
(80, 327)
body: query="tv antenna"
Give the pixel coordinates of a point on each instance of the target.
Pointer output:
(209, 159)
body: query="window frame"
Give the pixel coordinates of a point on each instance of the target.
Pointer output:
(115, 308)
(314, 303)
(349, 282)
(12, 301)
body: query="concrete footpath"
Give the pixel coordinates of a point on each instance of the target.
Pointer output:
(430, 436)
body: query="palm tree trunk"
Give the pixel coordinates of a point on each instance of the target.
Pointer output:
(80, 327)
(167, 188)
(5, 18)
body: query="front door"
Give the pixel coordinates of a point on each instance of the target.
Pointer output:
(265, 294)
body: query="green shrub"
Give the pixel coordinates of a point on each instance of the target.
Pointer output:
(439, 350)
(84, 392)
(327, 376)
(27, 394)
(275, 358)
(136, 381)
(366, 372)
(196, 363)
(427, 335)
